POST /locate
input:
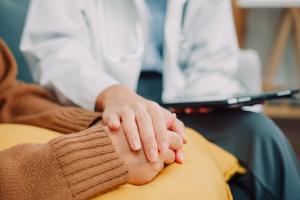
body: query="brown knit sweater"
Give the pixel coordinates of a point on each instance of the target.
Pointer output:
(74, 166)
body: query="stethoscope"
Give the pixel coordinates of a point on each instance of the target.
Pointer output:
(139, 38)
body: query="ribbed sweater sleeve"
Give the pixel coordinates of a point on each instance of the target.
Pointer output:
(74, 166)
(31, 104)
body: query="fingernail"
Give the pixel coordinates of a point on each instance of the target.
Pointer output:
(184, 138)
(180, 156)
(153, 155)
(164, 146)
(136, 144)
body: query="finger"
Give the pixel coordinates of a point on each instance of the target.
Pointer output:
(112, 120)
(146, 132)
(169, 157)
(130, 129)
(179, 128)
(175, 140)
(170, 117)
(159, 125)
(175, 124)
(179, 157)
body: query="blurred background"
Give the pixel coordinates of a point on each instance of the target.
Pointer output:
(272, 29)
(269, 27)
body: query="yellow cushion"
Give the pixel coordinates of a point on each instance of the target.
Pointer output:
(202, 176)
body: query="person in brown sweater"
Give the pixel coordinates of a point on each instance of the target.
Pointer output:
(87, 161)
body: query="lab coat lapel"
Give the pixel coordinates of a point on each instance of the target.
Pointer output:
(172, 74)
(142, 13)
(194, 9)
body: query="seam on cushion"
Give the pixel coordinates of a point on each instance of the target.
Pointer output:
(236, 168)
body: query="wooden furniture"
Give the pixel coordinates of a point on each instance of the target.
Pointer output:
(282, 111)
(268, 3)
(240, 22)
(290, 22)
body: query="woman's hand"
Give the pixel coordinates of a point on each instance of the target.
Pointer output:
(144, 122)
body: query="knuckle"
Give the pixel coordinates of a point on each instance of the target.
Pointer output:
(175, 141)
(143, 117)
(165, 139)
(127, 128)
(178, 142)
(138, 107)
(125, 111)
(150, 140)
(155, 107)
(161, 133)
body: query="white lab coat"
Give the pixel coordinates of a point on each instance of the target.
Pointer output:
(64, 46)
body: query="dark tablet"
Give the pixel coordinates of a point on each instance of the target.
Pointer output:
(234, 102)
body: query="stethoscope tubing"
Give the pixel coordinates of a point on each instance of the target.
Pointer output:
(104, 39)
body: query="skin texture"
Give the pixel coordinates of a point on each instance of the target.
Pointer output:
(145, 123)
(140, 169)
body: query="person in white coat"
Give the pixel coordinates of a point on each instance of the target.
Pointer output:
(97, 53)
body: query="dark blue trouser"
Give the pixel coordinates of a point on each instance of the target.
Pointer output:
(273, 169)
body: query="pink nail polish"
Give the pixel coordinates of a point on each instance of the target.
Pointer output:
(180, 157)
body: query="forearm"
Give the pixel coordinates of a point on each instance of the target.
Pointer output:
(34, 105)
(76, 166)
(28, 104)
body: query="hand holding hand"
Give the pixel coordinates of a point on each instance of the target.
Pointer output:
(140, 169)
(144, 122)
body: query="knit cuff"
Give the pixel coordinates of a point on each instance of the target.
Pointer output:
(89, 162)
(70, 119)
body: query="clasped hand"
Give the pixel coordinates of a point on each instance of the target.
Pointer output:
(148, 128)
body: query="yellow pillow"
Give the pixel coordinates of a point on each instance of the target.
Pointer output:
(202, 176)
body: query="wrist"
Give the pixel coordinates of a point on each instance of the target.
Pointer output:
(115, 94)
(86, 153)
